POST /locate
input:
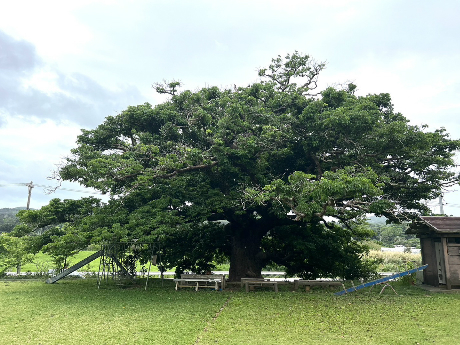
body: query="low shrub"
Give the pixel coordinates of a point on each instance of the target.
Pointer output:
(395, 261)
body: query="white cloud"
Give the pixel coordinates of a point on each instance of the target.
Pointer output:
(45, 80)
(51, 25)
(36, 139)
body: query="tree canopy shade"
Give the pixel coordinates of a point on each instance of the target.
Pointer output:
(272, 172)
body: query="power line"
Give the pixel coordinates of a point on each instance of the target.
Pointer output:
(52, 188)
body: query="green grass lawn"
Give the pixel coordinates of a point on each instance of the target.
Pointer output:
(76, 312)
(43, 262)
(301, 318)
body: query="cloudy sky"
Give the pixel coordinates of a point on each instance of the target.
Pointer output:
(66, 65)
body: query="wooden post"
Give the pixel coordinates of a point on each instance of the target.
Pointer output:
(446, 262)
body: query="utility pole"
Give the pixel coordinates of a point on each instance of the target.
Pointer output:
(441, 206)
(30, 185)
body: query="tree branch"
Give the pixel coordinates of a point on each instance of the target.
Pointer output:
(174, 173)
(191, 168)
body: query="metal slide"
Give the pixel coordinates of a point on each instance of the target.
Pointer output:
(74, 267)
(381, 280)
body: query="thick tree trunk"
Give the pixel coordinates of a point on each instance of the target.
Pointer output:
(246, 259)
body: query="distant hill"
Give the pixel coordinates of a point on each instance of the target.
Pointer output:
(8, 218)
(10, 211)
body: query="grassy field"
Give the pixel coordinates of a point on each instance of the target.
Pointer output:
(76, 312)
(43, 263)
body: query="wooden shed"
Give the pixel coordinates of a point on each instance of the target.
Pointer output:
(440, 244)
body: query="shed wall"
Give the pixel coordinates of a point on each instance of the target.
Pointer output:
(453, 253)
(430, 274)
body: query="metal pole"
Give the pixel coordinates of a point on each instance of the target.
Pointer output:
(150, 264)
(99, 277)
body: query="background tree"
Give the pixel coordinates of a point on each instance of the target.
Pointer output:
(389, 235)
(217, 173)
(57, 228)
(13, 253)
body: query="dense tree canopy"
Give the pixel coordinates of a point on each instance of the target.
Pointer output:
(274, 172)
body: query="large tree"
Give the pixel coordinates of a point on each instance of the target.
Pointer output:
(272, 172)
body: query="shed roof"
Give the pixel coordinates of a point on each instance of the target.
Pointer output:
(448, 225)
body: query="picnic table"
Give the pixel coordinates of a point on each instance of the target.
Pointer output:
(309, 283)
(261, 282)
(200, 281)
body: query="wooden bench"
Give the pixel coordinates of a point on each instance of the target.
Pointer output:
(309, 283)
(216, 281)
(253, 282)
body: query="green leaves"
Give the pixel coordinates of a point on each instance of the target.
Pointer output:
(13, 252)
(282, 72)
(167, 87)
(347, 193)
